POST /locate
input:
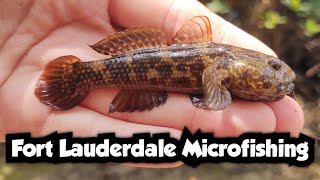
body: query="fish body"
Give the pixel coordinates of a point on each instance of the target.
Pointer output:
(176, 68)
(146, 69)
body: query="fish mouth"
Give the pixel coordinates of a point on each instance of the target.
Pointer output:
(286, 88)
(290, 92)
(290, 87)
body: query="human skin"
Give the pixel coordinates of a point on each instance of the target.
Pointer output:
(34, 32)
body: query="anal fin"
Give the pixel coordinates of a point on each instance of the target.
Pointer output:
(137, 100)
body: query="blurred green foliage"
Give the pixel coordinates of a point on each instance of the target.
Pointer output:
(296, 5)
(272, 19)
(311, 27)
(308, 12)
(304, 8)
(218, 6)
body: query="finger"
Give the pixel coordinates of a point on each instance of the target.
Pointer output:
(178, 112)
(87, 123)
(289, 115)
(171, 14)
(241, 116)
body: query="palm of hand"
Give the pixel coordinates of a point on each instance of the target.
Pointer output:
(47, 30)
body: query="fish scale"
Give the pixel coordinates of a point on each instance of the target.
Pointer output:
(145, 67)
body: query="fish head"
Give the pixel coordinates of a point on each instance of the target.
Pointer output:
(257, 76)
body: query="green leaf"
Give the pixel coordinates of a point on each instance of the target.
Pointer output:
(218, 7)
(311, 27)
(295, 5)
(272, 19)
(305, 8)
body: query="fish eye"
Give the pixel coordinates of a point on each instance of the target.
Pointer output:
(274, 64)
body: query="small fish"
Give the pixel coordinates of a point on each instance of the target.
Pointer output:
(145, 67)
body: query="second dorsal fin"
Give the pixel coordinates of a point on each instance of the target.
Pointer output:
(131, 39)
(196, 30)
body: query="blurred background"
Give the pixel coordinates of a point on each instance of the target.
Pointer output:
(292, 29)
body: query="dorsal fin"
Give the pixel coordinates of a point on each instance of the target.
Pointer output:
(196, 30)
(131, 39)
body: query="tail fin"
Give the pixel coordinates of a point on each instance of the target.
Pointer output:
(57, 86)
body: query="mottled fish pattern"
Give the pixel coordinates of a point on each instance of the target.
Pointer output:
(145, 68)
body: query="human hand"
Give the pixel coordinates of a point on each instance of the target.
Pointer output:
(35, 32)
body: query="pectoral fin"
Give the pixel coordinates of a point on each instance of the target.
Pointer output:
(135, 100)
(215, 94)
